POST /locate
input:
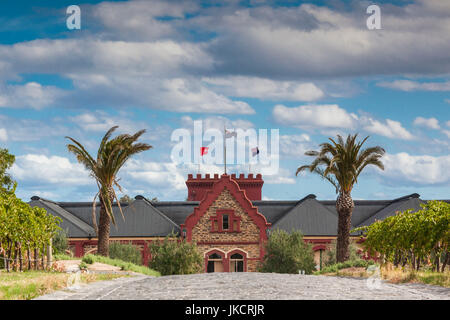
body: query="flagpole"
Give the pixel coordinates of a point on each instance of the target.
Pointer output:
(224, 150)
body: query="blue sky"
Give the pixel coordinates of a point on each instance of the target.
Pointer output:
(311, 69)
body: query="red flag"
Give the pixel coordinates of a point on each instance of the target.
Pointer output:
(203, 151)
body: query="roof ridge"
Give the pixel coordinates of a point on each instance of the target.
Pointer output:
(299, 202)
(395, 201)
(69, 216)
(148, 202)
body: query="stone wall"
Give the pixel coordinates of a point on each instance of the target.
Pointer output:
(247, 240)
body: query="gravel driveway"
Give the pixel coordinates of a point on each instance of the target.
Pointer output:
(237, 286)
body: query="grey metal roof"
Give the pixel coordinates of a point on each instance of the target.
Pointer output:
(71, 223)
(401, 204)
(310, 217)
(144, 218)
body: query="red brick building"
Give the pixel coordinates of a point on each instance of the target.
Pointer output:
(225, 216)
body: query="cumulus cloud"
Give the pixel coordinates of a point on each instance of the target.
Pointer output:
(266, 89)
(43, 170)
(268, 41)
(408, 85)
(390, 128)
(312, 116)
(422, 169)
(431, 123)
(30, 95)
(3, 135)
(326, 117)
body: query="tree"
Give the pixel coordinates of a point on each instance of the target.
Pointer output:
(341, 163)
(287, 253)
(6, 162)
(112, 154)
(125, 199)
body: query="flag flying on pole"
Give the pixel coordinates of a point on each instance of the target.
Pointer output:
(203, 151)
(255, 151)
(229, 134)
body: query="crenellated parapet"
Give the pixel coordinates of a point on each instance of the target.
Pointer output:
(198, 185)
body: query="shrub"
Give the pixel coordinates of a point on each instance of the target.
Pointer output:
(89, 259)
(173, 256)
(287, 253)
(125, 252)
(330, 256)
(359, 263)
(59, 242)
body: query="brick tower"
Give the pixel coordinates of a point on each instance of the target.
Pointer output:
(199, 186)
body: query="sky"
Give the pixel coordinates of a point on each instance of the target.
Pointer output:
(311, 69)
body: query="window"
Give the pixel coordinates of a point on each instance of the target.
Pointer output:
(225, 222)
(236, 263)
(214, 263)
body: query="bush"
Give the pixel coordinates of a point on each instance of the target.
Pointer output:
(358, 263)
(89, 259)
(173, 256)
(125, 252)
(287, 253)
(59, 242)
(330, 257)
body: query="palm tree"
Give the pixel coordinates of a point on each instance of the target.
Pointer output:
(111, 156)
(341, 163)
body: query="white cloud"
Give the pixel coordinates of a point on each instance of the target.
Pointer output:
(391, 129)
(217, 122)
(266, 89)
(312, 116)
(422, 170)
(329, 118)
(55, 170)
(447, 133)
(295, 145)
(408, 85)
(431, 123)
(3, 135)
(30, 95)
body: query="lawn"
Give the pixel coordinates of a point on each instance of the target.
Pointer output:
(125, 266)
(31, 284)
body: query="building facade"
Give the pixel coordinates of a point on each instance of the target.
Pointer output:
(225, 216)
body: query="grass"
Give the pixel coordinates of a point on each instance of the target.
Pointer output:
(123, 265)
(61, 256)
(389, 273)
(399, 275)
(335, 268)
(31, 284)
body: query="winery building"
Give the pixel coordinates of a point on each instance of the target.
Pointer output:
(225, 216)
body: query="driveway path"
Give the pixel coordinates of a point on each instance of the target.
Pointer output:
(237, 286)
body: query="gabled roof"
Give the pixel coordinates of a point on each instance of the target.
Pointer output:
(74, 225)
(310, 217)
(411, 201)
(142, 219)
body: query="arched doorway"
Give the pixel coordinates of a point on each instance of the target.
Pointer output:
(237, 261)
(214, 261)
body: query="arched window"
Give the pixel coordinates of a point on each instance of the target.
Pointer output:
(215, 263)
(236, 262)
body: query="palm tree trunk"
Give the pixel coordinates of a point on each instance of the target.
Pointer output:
(103, 231)
(344, 206)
